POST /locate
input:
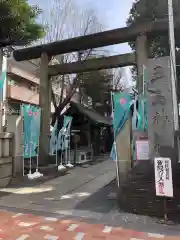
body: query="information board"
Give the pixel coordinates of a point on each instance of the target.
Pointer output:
(142, 149)
(163, 177)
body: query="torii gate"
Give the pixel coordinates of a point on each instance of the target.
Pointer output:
(135, 32)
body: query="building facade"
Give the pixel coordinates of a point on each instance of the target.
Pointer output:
(22, 86)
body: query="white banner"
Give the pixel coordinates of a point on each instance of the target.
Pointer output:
(163, 177)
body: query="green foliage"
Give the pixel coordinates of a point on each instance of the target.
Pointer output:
(97, 85)
(150, 10)
(146, 11)
(18, 23)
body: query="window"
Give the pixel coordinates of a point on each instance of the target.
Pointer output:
(14, 109)
(34, 88)
(11, 82)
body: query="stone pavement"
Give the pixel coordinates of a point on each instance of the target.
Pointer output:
(28, 227)
(74, 206)
(73, 194)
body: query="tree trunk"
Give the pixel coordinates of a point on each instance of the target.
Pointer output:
(60, 107)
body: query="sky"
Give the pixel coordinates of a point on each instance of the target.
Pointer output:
(111, 13)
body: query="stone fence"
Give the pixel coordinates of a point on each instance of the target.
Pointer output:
(6, 158)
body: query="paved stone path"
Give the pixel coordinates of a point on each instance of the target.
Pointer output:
(74, 206)
(18, 226)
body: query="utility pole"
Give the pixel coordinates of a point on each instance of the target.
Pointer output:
(173, 69)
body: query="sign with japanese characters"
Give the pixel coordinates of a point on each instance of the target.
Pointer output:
(31, 116)
(163, 177)
(160, 105)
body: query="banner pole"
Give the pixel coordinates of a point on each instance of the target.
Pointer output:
(37, 157)
(65, 144)
(30, 162)
(1, 89)
(22, 115)
(60, 141)
(69, 147)
(61, 149)
(68, 137)
(56, 150)
(114, 143)
(37, 174)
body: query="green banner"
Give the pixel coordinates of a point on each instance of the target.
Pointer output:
(31, 116)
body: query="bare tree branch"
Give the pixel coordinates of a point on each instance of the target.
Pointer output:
(65, 19)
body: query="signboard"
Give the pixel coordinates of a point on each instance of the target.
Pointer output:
(142, 149)
(163, 177)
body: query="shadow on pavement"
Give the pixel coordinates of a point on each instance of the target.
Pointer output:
(24, 182)
(99, 201)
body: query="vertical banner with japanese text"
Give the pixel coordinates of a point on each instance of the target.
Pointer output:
(63, 140)
(3, 73)
(67, 123)
(3, 91)
(121, 104)
(53, 140)
(31, 116)
(163, 177)
(56, 140)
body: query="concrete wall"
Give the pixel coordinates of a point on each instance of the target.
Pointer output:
(6, 158)
(15, 125)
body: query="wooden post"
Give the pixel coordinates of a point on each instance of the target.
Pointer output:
(165, 210)
(45, 105)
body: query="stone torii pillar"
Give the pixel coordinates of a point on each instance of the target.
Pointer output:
(141, 59)
(45, 105)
